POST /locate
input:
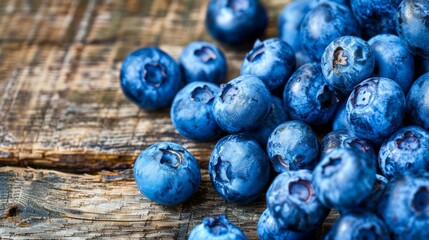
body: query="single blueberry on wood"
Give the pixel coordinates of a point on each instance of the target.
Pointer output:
(150, 78)
(167, 173)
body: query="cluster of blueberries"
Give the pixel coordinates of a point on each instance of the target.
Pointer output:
(355, 67)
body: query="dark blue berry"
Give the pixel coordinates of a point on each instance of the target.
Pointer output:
(292, 146)
(203, 61)
(393, 60)
(292, 201)
(167, 173)
(308, 97)
(406, 149)
(235, 22)
(272, 61)
(324, 23)
(346, 62)
(418, 102)
(192, 111)
(150, 78)
(242, 104)
(239, 169)
(344, 178)
(375, 108)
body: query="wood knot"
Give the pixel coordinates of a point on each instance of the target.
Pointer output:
(13, 211)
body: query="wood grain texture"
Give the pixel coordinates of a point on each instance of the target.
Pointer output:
(61, 106)
(48, 204)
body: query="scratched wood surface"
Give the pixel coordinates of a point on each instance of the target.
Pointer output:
(61, 108)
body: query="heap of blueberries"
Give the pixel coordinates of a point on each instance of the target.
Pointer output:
(337, 106)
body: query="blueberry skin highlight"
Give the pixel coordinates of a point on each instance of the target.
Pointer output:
(166, 173)
(239, 169)
(417, 102)
(276, 117)
(235, 22)
(345, 139)
(344, 178)
(346, 62)
(192, 111)
(293, 203)
(324, 23)
(289, 24)
(406, 149)
(292, 146)
(404, 206)
(242, 104)
(203, 61)
(413, 27)
(268, 229)
(358, 224)
(375, 108)
(339, 120)
(272, 61)
(375, 16)
(308, 97)
(393, 60)
(217, 228)
(150, 78)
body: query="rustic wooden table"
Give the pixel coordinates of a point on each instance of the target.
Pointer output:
(68, 136)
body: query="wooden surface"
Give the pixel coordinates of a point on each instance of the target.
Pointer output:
(61, 108)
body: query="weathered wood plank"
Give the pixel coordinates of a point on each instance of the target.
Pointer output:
(61, 106)
(49, 204)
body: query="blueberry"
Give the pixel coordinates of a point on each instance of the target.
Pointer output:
(293, 203)
(268, 229)
(273, 61)
(292, 146)
(345, 139)
(217, 228)
(372, 201)
(417, 102)
(412, 25)
(404, 206)
(346, 62)
(150, 78)
(192, 111)
(375, 16)
(344, 178)
(358, 224)
(375, 108)
(405, 149)
(167, 173)
(276, 116)
(242, 104)
(203, 61)
(239, 169)
(289, 24)
(308, 97)
(339, 120)
(324, 23)
(235, 22)
(393, 60)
